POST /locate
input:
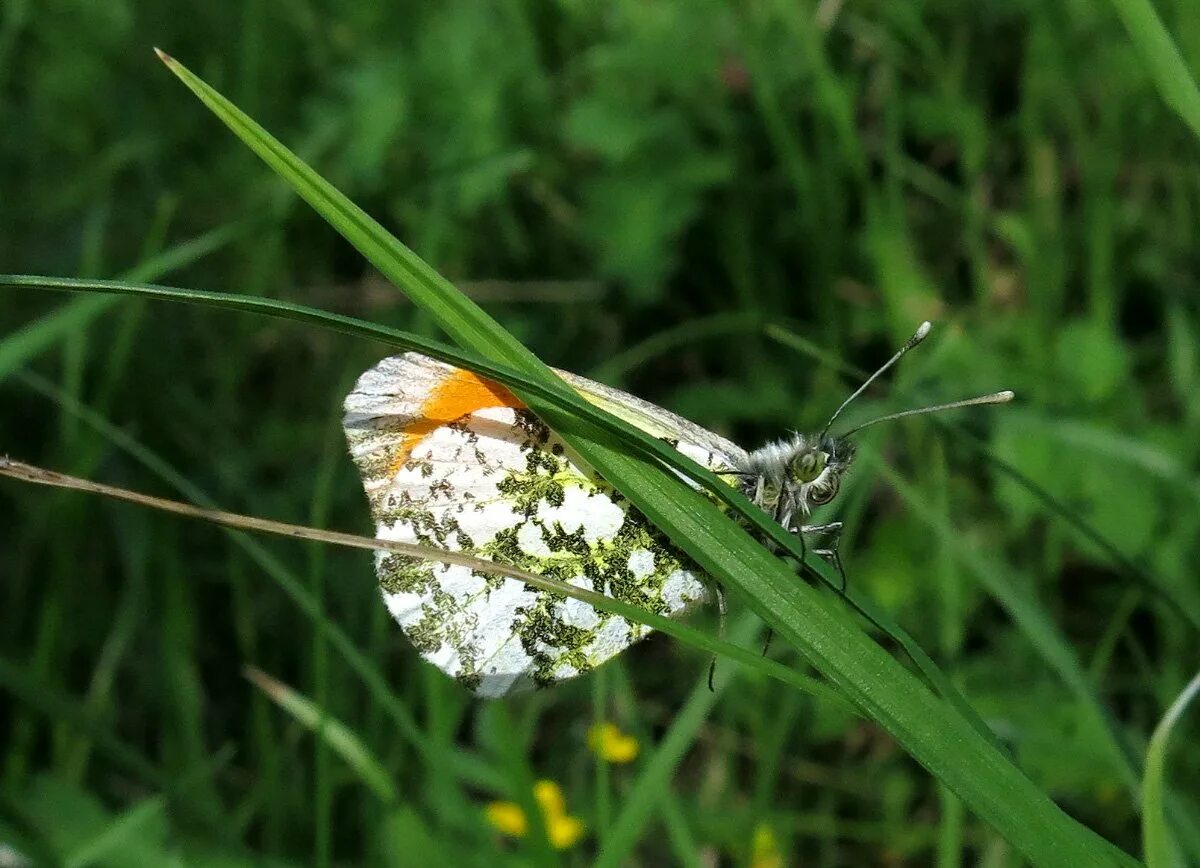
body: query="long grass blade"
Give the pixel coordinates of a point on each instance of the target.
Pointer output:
(1155, 837)
(1161, 55)
(340, 738)
(571, 407)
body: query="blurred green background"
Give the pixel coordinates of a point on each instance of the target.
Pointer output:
(680, 198)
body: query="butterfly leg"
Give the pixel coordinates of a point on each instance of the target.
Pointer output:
(712, 664)
(834, 530)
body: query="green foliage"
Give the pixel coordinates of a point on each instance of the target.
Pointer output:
(643, 187)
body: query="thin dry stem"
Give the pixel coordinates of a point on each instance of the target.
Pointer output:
(42, 476)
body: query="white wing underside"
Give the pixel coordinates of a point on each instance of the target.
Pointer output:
(499, 484)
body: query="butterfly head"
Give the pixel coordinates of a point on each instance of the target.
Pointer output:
(815, 467)
(791, 477)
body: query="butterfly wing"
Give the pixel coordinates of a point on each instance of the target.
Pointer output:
(706, 447)
(452, 460)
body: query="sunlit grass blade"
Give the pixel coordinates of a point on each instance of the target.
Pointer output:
(340, 738)
(43, 333)
(1155, 837)
(933, 732)
(1161, 55)
(114, 838)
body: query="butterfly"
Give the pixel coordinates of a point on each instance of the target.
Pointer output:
(452, 460)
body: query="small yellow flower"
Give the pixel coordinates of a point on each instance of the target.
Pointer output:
(562, 830)
(549, 797)
(764, 849)
(507, 817)
(612, 745)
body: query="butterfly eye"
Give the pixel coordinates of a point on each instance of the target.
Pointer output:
(821, 494)
(807, 466)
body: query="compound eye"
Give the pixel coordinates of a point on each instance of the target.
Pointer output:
(822, 494)
(807, 466)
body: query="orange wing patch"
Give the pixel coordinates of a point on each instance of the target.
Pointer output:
(459, 394)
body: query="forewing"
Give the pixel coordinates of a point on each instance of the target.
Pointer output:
(494, 481)
(704, 446)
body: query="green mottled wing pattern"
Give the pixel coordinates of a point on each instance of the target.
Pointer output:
(498, 483)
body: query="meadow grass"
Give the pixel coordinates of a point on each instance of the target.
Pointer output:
(724, 174)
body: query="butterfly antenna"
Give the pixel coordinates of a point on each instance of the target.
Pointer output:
(997, 398)
(917, 337)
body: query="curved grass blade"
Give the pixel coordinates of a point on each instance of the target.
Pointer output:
(39, 335)
(571, 406)
(112, 841)
(341, 739)
(1156, 841)
(1158, 50)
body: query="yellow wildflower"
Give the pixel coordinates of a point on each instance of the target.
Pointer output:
(550, 799)
(612, 745)
(562, 830)
(764, 849)
(507, 817)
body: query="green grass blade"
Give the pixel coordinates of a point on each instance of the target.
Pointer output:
(1161, 55)
(1155, 838)
(932, 731)
(568, 402)
(43, 333)
(115, 838)
(340, 738)
(40, 335)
